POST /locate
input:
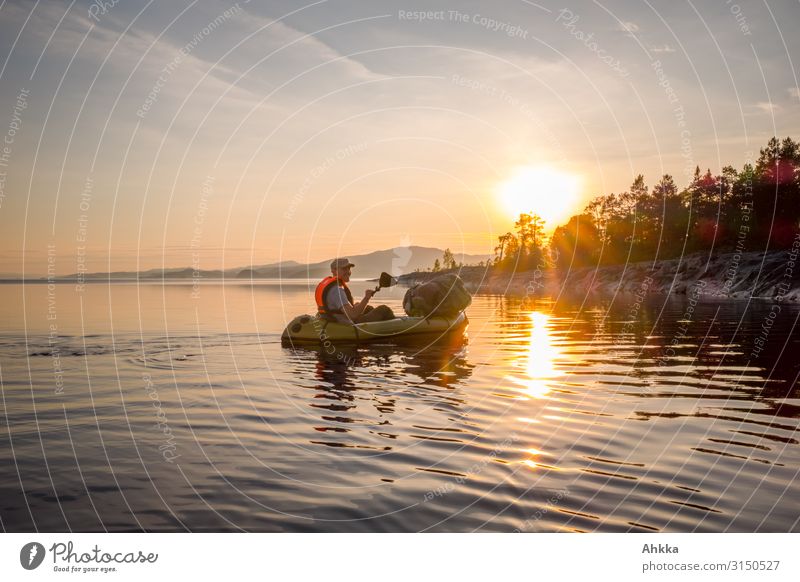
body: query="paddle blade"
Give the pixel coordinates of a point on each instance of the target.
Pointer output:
(386, 280)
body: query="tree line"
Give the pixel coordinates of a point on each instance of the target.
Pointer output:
(755, 208)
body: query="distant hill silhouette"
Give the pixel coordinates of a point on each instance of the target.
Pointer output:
(396, 261)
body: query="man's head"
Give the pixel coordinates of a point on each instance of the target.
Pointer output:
(341, 268)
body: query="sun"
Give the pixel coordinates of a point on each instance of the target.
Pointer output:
(542, 190)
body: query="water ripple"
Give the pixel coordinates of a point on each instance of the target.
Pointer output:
(543, 417)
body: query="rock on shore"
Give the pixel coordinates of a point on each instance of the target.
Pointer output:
(774, 275)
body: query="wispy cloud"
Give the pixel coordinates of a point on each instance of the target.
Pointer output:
(274, 42)
(312, 47)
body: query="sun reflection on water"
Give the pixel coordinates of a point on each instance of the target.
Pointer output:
(539, 362)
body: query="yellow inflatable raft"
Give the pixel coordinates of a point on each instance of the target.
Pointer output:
(313, 329)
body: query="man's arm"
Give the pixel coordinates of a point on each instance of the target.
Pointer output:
(354, 311)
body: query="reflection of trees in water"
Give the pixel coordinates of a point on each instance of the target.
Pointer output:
(714, 338)
(349, 375)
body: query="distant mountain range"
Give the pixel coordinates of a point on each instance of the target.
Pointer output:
(396, 261)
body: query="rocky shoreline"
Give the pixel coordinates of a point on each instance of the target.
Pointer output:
(772, 276)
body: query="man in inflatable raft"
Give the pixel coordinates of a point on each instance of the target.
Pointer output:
(335, 301)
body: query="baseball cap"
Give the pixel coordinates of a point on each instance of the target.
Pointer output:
(340, 264)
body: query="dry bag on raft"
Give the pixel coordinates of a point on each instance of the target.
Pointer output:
(443, 296)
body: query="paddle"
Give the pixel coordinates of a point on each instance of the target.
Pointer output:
(385, 280)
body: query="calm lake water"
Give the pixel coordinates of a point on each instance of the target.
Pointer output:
(145, 408)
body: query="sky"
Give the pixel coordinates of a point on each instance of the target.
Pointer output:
(213, 134)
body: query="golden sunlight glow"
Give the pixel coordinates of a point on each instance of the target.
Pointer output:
(550, 193)
(539, 365)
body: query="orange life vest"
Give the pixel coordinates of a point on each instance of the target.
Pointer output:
(322, 290)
